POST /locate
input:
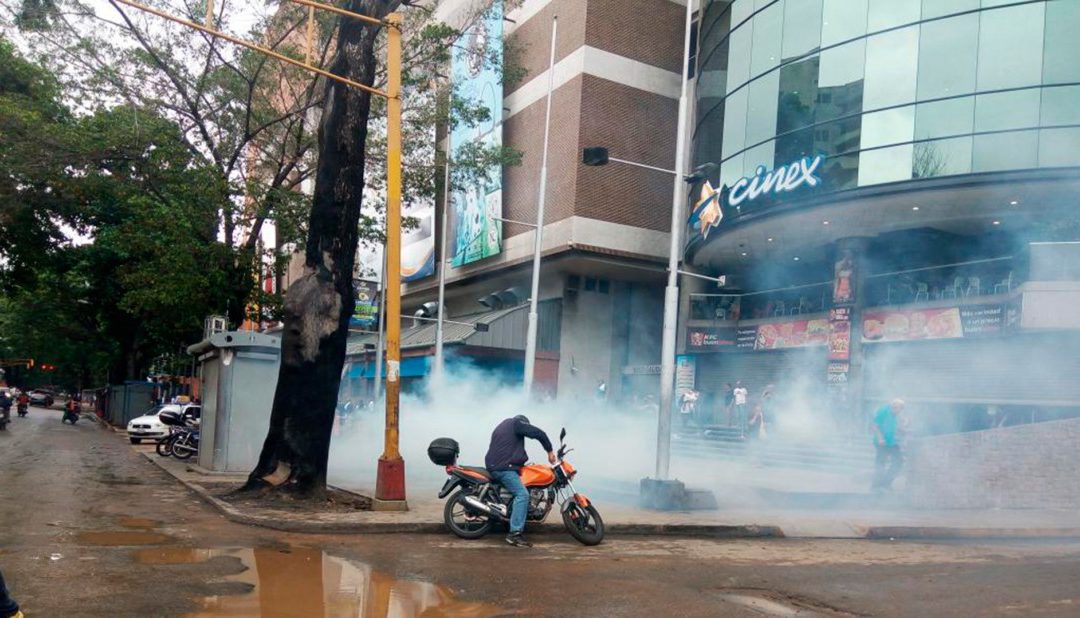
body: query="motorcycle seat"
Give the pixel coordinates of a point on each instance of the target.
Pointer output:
(478, 470)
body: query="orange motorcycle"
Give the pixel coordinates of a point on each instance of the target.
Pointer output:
(480, 501)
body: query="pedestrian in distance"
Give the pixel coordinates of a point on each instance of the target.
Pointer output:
(729, 401)
(741, 395)
(886, 426)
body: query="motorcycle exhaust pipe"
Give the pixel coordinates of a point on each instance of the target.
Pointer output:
(475, 503)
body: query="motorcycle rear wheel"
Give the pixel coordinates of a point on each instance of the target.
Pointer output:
(188, 447)
(457, 517)
(583, 523)
(164, 446)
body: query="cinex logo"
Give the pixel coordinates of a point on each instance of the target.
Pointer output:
(708, 211)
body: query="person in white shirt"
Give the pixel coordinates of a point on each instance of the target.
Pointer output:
(740, 393)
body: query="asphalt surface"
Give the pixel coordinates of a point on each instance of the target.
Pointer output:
(90, 528)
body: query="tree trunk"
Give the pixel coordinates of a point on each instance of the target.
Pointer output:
(319, 304)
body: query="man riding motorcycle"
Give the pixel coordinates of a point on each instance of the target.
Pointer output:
(506, 454)
(23, 403)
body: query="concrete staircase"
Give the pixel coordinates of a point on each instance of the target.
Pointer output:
(840, 455)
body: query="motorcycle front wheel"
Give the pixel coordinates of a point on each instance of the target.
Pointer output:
(462, 520)
(583, 523)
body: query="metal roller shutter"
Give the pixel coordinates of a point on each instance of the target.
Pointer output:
(1036, 369)
(757, 369)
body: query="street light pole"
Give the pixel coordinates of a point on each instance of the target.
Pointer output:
(390, 479)
(437, 371)
(538, 245)
(671, 293)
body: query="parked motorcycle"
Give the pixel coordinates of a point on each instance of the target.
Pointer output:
(183, 439)
(481, 502)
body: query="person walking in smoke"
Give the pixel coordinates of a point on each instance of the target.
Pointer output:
(729, 401)
(886, 427)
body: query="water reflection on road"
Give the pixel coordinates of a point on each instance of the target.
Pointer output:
(300, 581)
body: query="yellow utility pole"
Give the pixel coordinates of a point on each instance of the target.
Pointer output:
(390, 482)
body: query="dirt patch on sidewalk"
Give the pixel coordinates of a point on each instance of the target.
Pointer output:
(336, 500)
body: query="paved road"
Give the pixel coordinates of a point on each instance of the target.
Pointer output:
(90, 528)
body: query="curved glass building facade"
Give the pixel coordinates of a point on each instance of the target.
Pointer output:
(888, 90)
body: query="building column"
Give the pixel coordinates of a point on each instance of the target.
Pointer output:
(845, 361)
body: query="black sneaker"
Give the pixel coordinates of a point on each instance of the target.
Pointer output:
(515, 539)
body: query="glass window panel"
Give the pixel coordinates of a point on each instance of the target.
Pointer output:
(842, 20)
(943, 157)
(739, 56)
(891, 126)
(1061, 61)
(731, 170)
(1059, 147)
(840, 81)
(768, 24)
(838, 137)
(1060, 105)
(942, 118)
(798, 92)
(891, 13)
(885, 165)
(761, 108)
(1010, 47)
(892, 67)
(1005, 151)
(759, 156)
(734, 122)
(1017, 109)
(802, 27)
(990, 3)
(947, 54)
(740, 10)
(840, 172)
(795, 145)
(937, 8)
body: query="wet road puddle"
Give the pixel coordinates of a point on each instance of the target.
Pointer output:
(139, 523)
(307, 582)
(121, 538)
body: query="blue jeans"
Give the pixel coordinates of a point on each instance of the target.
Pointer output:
(511, 480)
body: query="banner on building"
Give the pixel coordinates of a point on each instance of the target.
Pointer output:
(366, 312)
(839, 334)
(940, 323)
(796, 334)
(474, 230)
(418, 243)
(685, 373)
(774, 336)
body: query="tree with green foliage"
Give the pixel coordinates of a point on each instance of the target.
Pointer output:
(148, 265)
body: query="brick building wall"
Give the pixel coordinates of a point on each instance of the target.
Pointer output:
(1025, 466)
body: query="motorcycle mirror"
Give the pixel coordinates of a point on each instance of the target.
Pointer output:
(562, 434)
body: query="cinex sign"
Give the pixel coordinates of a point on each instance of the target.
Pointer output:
(711, 205)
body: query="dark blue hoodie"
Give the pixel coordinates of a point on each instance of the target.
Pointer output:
(507, 450)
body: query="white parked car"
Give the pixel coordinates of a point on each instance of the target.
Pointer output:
(150, 427)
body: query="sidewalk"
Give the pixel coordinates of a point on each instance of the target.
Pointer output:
(425, 515)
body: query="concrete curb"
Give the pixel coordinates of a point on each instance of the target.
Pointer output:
(236, 515)
(908, 533)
